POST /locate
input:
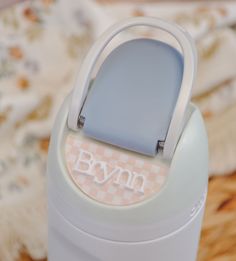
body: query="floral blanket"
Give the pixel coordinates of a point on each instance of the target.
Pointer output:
(42, 44)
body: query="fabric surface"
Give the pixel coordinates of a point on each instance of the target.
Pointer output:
(42, 44)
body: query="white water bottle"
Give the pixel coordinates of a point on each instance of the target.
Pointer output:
(128, 158)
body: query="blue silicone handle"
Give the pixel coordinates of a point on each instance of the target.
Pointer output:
(133, 96)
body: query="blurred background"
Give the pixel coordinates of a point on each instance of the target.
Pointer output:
(42, 44)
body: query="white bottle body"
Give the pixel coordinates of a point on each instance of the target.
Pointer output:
(179, 245)
(165, 227)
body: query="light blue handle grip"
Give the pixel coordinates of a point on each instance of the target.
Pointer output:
(133, 96)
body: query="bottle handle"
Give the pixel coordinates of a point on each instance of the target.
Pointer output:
(190, 63)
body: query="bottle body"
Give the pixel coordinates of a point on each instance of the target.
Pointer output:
(164, 227)
(68, 243)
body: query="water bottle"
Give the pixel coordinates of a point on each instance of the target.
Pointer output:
(128, 157)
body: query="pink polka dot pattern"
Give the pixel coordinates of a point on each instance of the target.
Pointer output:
(150, 173)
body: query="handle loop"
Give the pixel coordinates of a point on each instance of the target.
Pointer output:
(190, 60)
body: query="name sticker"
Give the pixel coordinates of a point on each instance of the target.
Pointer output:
(111, 175)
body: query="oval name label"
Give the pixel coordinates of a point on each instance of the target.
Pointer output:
(111, 175)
